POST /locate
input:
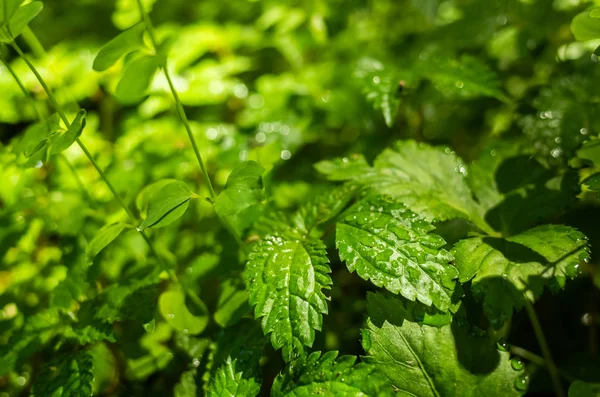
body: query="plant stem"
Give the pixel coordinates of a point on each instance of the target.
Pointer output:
(41, 119)
(534, 358)
(64, 118)
(539, 334)
(33, 42)
(178, 104)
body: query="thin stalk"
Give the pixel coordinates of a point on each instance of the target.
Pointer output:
(539, 334)
(178, 104)
(534, 358)
(64, 118)
(33, 42)
(41, 119)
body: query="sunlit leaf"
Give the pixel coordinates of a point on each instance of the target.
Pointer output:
(167, 205)
(172, 306)
(128, 41)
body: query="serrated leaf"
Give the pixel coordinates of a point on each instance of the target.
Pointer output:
(285, 278)
(584, 389)
(585, 27)
(429, 181)
(240, 199)
(234, 362)
(136, 79)
(386, 243)
(37, 135)
(126, 42)
(324, 207)
(173, 308)
(380, 86)
(69, 375)
(590, 150)
(104, 237)
(593, 183)
(187, 385)
(19, 20)
(167, 205)
(505, 271)
(428, 361)
(326, 376)
(64, 141)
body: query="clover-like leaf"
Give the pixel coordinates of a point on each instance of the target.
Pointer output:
(585, 26)
(136, 79)
(386, 243)
(427, 361)
(64, 141)
(68, 375)
(104, 237)
(324, 375)
(17, 18)
(126, 42)
(506, 271)
(37, 136)
(285, 277)
(240, 199)
(167, 205)
(173, 307)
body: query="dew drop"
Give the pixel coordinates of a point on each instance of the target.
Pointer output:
(517, 364)
(503, 346)
(522, 382)
(366, 340)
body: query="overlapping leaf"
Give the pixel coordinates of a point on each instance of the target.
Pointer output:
(385, 242)
(69, 375)
(425, 361)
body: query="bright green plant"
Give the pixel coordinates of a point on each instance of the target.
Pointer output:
(370, 198)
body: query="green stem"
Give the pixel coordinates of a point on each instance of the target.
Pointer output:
(62, 115)
(41, 119)
(534, 358)
(33, 42)
(539, 334)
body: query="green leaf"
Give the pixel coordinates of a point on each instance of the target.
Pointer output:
(383, 241)
(590, 150)
(167, 205)
(240, 199)
(37, 135)
(593, 183)
(64, 141)
(173, 308)
(232, 304)
(428, 361)
(584, 389)
(136, 79)
(234, 365)
(324, 207)
(504, 271)
(326, 376)
(19, 20)
(103, 238)
(7, 9)
(343, 169)
(429, 181)
(126, 42)
(285, 277)
(69, 375)
(380, 86)
(585, 27)
(187, 385)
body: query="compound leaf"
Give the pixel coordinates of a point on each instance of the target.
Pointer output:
(504, 271)
(19, 20)
(285, 277)
(409, 353)
(385, 242)
(326, 376)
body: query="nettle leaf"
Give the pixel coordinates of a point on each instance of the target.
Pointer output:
(126, 42)
(285, 277)
(506, 271)
(234, 365)
(430, 181)
(18, 18)
(172, 306)
(585, 26)
(241, 197)
(104, 237)
(380, 87)
(167, 205)
(37, 136)
(385, 242)
(434, 361)
(69, 375)
(324, 207)
(593, 183)
(137, 78)
(326, 376)
(37, 331)
(64, 141)
(187, 385)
